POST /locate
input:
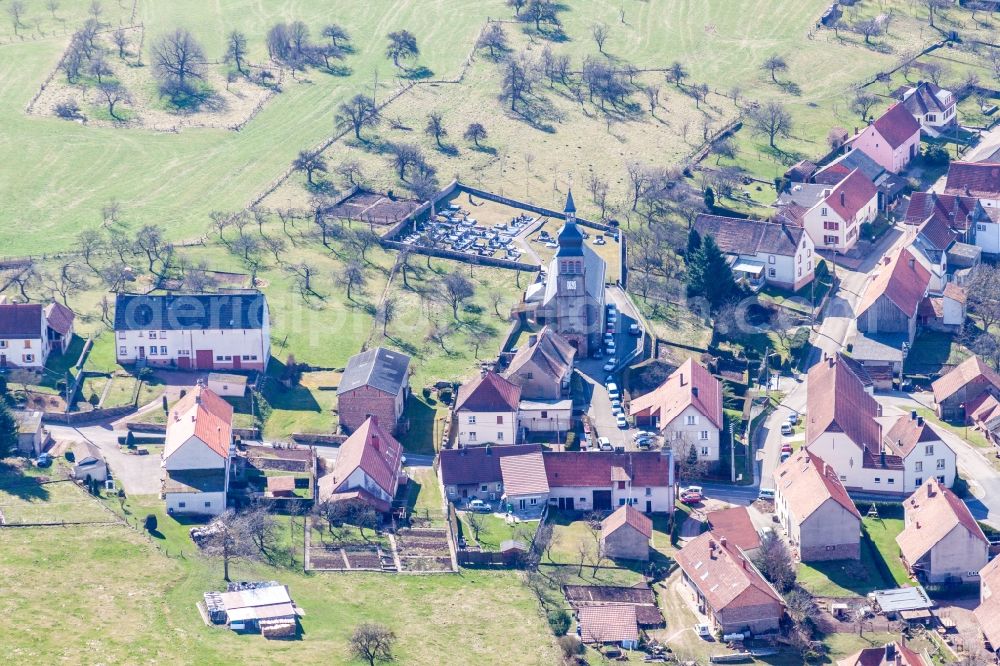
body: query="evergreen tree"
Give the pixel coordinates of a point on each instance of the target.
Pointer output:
(8, 431)
(708, 274)
(709, 198)
(694, 242)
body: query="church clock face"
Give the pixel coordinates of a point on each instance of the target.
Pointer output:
(571, 284)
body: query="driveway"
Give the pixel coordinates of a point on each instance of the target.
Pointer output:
(138, 475)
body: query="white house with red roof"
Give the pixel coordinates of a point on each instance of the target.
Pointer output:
(197, 454)
(727, 587)
(941, 541)
(892, 140)
(931, 106)
(687, 406)
(30, 331)
(486, 411)
(813, 506)
(603, 480)
(975, 179)
(870, 453)
(890, 654)
(834, 221)
(369, 468)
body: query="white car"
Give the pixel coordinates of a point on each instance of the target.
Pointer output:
(786, 428)
(616, 405)
(703, 630)
(610, 365)
(604, 444)
(609, 346)
(621, 421)
(613, 391)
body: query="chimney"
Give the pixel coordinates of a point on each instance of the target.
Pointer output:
(855, 130)
(711, 547)
(890, 653)
(917, 523)
(843, 199)
(682, 379)
(920, 421)
(489, 451)
(878, 410)
(881, 457)
(375, 442)
(913, 415)
(912, 262)
(694, 391)
(829, 361)
(886, 260)
(930, 490)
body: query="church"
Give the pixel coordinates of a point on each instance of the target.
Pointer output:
(570, 300)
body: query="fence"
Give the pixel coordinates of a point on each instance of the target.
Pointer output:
(442, 253)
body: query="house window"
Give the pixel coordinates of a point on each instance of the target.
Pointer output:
(545, 415)
(208, 504)
(829, 240)
(121, 335)
(152, 350)
(704, 450)
(940, 479)
(831, 226)
(649, 491)
(800, 271)
(878, 480)
(528, 375)
(184, 352)
(809, 252)
(500, 419)
(181, 504)
(918, 466)
(122, 351)
(981, 227)
(621, 485)
(499, 436)
(823, 212)
(583, 500)
(499, 487)
(891, 480)
(27, 344)
(483, 488)
(771, 259)
(771, 272)
(152, 335)
(931, 117)
(3, 344)
(29, 358)
(472, 418)
(534, 500)
(246, 357)
(917, 482)
(163, 351)
(703, 434)
(940, 463)
(843, 478)
(472, 436)
(229, 358)
(621, 502)
(218, 358)
(929, 450)
(692, 419)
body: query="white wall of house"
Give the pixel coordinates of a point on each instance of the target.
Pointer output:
(694, 428)
(659, 497)
(211, 504)
(929, 459)
(253, 346)
(821, 218)
(829, 525)
(988, 235)
(846, 458)
(486, 427)
(194, 454)
(958, 554)
(954, 312)
(24, 352)
(548, 419)
(358, 479)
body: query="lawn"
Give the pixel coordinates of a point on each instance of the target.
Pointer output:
(971, 435)
(122, 391)
(883, 533)
(495, 530)
(146, 596)
(931, 351)
(24, 500)
(425, 499)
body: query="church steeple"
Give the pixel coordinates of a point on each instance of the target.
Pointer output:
(570, 239)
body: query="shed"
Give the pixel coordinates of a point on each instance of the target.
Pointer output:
(609, 624)
(626, 533)
(267, 608)
(227, 385)
(281, 486)
(88, 462)
(902, 599)
(30, 438)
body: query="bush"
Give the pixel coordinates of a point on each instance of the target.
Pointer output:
(150, 523)
(571, 646)
(571, 440)
(559, 622)
(934, 155)
(94, 399)
(68, 110)
(445, 396)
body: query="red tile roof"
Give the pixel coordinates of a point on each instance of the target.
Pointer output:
(907, 432)
(20, 320)
(988, 612)
(837, 402)
(627, 515)
(851, 195)
(932, 512)
(974, 179)
(967, 371)
(938, 233)
(59, 318)
(955, 211)
(594, 469)
(903, 281)
(805, 482)
(372, 450)
(524, 474)
(202, 414)
(725, 577)
(607, 624)
(897, 125)
(679, 391)
(876, 656)
(472, 465)
(736, 526)
(489, 393)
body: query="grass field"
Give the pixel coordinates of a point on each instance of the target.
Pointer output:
(23, 499)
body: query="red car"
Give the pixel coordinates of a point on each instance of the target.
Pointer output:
(691, 495)
(786, 448)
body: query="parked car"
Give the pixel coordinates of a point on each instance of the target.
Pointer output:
(703, 630)
(692, 495)
(786, 448)
(785, 455)
(793, 418)
(610, 365)
(604, 444)
(612, 308)
(613, 391)
(616, 405)
(44, 460)
(786, 428)
(644, 443)
(479, 506)
(621, 421)
(766, 494)
(609, 347)
(635, 330)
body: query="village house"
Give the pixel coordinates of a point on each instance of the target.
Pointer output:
(369, 468)
(988, 611)
(986, 418)
(728, 588)
(686, 407)
(194, 331)
(375, 382)
(525, 484)
(571, 298)
(486, 411)
(941, 542)
(197, 454)
(762, 252)
(832, 215)
(815, 510)
(844, 428)
(639, 596)
(956, 225)
(892, 140)
(960, 392)
(469, 473)
(975, 179)
(29, 332)
(625, 534)
(554, 417)
(930, 105)
(736, 525)
(890, 186)
(542, 367)
(604, 625)
(227, 385)
(603, 480)
(31, 436)
(891, 654)
(88, 462)
(890, 301)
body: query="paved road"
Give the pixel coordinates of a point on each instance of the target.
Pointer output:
(139, 475)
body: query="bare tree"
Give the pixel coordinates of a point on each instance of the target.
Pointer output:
(438, 334)
(652, 98)
(178, 62)
(475, 133)
(89, 243)
(600, 32)
(303, 274)
(16, 11)
(53, 7)
(352, 276)
(228, 536)
(676, 73)
(149, 240)
(435, 127)
(494, 39)
(599, 188)
(372, 642)
(772, 120)
(114, 93)
(120, 38)
(261, 528)
(476, 523)
(406, 155)
(351, 173)
(868, 28)
(983, 294)
(456, 289)
(725, 147)
(774, 64)
(236, 50)
(360, 112)
(336, 34)
(402, 46)
(933, 6)
(275, 245)
(310, 162)
(863, 102)
(518, 80)
(517, 5)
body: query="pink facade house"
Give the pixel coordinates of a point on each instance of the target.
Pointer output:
(893, 140)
